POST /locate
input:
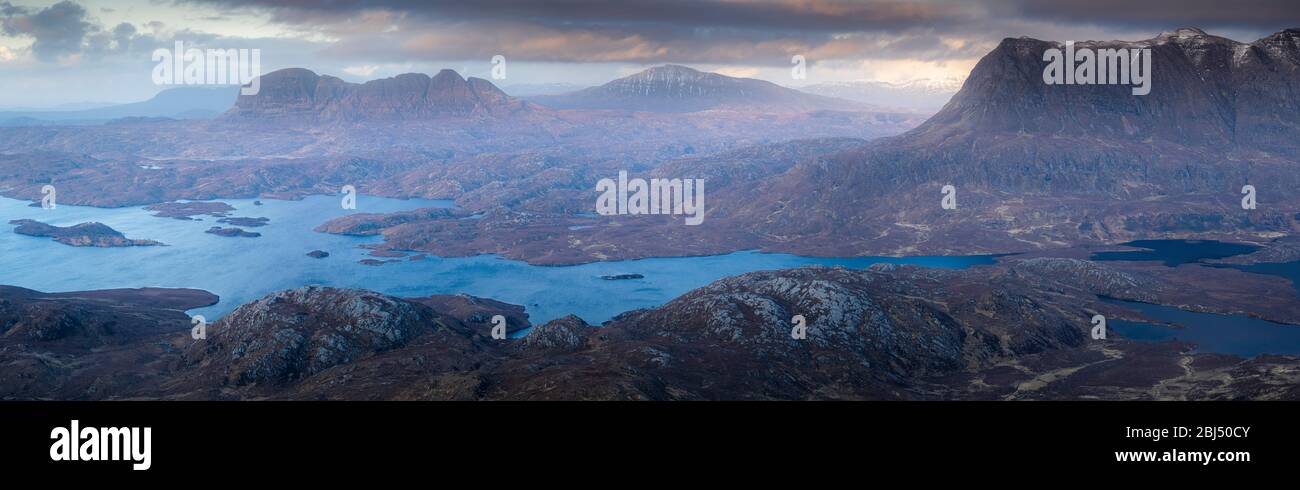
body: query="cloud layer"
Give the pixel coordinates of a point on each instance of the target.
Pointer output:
(843, 39)
(730, 31)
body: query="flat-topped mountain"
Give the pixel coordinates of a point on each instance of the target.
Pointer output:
(675, 88)
(302, 94)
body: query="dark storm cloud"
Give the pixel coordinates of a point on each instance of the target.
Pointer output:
(58, 30)
(807, 15)
(1268, 15)
(823, 16)
(64, 29)
(752, 32)
(747, 31)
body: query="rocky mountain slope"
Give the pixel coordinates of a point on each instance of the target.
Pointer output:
(676, 88)
(95, 317)
(1038, 165)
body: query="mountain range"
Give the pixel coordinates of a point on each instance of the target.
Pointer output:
(298, 93)
(1033, 166)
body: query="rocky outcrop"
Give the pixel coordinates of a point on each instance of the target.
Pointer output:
(294, 334)
(563, 334)
(476, 313)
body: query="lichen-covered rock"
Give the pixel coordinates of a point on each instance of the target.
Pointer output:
(293, 334)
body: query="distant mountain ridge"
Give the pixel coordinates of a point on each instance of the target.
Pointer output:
(176, 103)
(300, 93)
(676, 88)
(920, 94)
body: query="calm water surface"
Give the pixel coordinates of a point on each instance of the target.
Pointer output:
(1225, 334)
(243, 269)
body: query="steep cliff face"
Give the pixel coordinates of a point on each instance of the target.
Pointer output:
(296, 93)
(1206, 91)
(1038, 165)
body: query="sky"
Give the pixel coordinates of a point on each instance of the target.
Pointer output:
(77, 51)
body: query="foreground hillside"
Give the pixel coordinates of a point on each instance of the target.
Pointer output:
(1017, 330)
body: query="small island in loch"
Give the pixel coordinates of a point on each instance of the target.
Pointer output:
(232, 232)
(188, 210)
(80, 235)
(245, 222)
(622, 277)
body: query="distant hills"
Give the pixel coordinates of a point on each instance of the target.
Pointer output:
(531, 89)
(175, 103)
(298, 93)
(921, 94)
(675, 88)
